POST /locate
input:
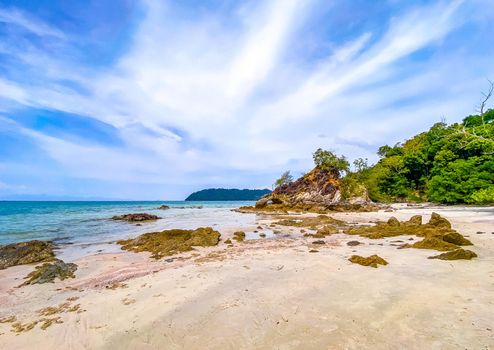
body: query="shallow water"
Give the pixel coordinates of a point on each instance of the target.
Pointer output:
(83, 228)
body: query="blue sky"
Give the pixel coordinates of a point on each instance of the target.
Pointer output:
(155, 99)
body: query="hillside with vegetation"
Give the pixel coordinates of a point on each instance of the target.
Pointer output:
(447, 164)
(227, 194)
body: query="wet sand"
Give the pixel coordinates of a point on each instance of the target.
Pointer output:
(269, 294)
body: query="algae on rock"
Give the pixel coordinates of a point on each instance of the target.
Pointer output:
(372, 261)
(26, 253)
(437, 233)
(139, 217)
(239, 236)
(458, 254)
(170, 242)
(432, 243)
(49, 271)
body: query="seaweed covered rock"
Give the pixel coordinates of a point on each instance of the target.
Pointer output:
(455, 238)
(458, 254)
(163, 207)
(239, 236)
(415, 220)
(26, 253)
(437, 227)
(310, 221)
(438, 221)
(437, 233)
(432, 243)
(169, 242)
(392, 221)
(136, 217)
(49, 271)
(372, 261)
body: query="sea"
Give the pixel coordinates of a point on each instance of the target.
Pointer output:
(84, 228)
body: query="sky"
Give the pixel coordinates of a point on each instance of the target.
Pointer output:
(152, 100)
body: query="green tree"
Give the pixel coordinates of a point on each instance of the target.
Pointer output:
(285, 178)
(327, 160)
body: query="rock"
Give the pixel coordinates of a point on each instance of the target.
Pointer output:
(392, 221)
(372, 261)
(170, 242)
(438, 221)
(239, 236)
(415, 220)
(313, 251)
(262, 234)
(163, 207)
(456, 238)
(458, 254)
(318, 242)
(49, 271)
(317, 191)
(136, 217)
(228, 241)
(26, 253)
(432, 243)
(353, 243)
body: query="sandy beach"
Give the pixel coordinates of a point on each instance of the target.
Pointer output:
(270, 293)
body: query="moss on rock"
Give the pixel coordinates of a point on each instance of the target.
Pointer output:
(458, 254)
(239, 236)
(437, 233)
(372, 261)
(49, 271)
(26, 253)
(310, 221)
(139, 217)
(432, 243)
(438, 221)
(170, 242)
(456, 238)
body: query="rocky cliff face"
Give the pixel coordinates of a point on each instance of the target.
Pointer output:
(318, 190)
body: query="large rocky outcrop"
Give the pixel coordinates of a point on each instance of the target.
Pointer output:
(22, 253)
(318, 190)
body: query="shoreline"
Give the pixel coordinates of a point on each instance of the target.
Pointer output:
(270, 292)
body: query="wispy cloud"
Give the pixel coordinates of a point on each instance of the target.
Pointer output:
(28, 23)
(218, 101)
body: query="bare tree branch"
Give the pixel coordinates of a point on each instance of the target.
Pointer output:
(487, 95)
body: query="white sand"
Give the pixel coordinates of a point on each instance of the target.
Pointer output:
(271, 294)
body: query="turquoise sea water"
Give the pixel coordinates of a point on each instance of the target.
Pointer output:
(88, 224)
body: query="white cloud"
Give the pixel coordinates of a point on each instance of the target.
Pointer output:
(28, 23)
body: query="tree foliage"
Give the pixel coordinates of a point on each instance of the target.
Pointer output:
(285, 178)
(446, 164)
(327, 160)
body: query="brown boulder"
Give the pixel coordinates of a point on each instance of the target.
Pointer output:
(26, 253)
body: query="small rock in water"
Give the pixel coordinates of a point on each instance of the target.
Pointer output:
(481, 232)
(136, 217)
(353, 243)
(262, 234)
(318, 242)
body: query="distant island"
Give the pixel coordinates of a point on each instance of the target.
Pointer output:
(227, 194)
